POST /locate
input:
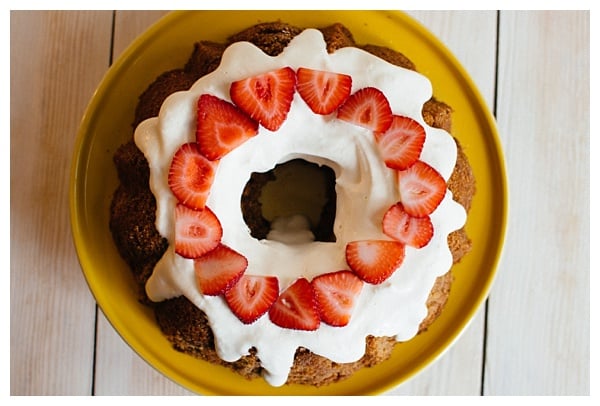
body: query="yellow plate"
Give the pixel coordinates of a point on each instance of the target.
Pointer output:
(106, 125)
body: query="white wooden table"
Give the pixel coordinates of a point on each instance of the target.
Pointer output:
(531, 337)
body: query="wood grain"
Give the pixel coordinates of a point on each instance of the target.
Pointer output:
(54, 71)
(538, 334)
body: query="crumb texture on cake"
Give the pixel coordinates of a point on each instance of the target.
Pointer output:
(132, 212)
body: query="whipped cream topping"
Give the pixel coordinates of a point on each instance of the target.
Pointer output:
(365, 189)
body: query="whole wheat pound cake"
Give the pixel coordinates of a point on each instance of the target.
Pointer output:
(288, 191)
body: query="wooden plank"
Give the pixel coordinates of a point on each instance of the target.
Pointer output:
(129, 25)
(119, 370)
(471, 37)
(53, 74)
(539, 311)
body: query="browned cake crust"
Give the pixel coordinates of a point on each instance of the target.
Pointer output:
(153, 97)
(132, 212)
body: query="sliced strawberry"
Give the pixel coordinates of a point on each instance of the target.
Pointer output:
(402, 143)
(368, 108)
(336, 294)
(266, 98)
(196, 231)
(413, 231)
(296, 307)
(218, 270)
(191, 176)
(323, 91)
(422, 189)
(252, 296)
(374, 260)
(221, 127)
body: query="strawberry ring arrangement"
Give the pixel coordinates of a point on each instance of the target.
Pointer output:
(265, 100)
(348, 110)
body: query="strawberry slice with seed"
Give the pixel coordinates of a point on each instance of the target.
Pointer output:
(221, 127)
(218, 270)
(402, 143)
(296, 307)
(368, 108)
(413, 231)
(267, 97)
(323, 91)
(336, 294)
(196, 231)
(374, 261)
(421, 188)
(191, 176)
(252, 296)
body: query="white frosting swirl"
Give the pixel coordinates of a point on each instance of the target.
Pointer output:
(365, 189)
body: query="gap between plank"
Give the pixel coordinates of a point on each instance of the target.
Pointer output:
(486, 308)
(94, 361)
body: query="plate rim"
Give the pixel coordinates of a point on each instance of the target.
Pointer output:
(78, 162)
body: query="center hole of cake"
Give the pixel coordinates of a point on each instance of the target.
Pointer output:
(293, 203)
